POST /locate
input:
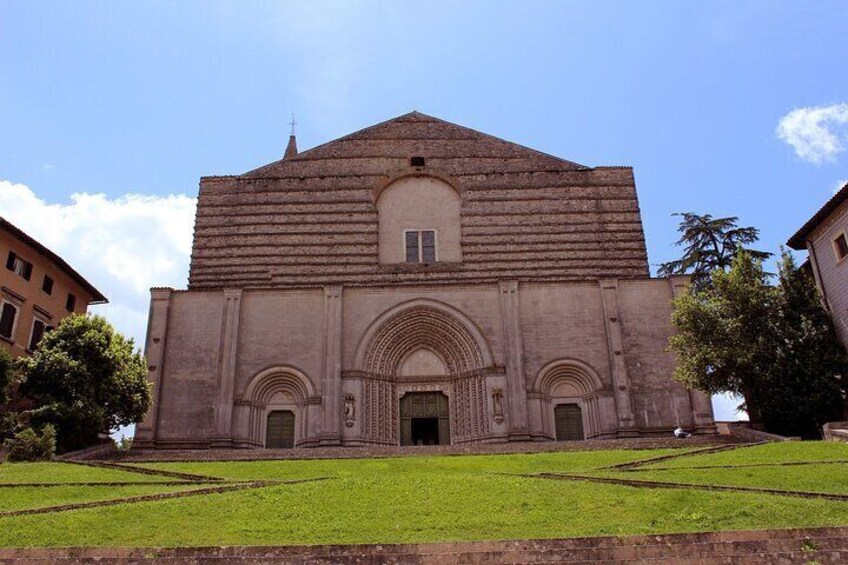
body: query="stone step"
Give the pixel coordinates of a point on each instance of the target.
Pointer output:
(787, 546)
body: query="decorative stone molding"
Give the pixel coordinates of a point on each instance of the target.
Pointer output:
(497, 405)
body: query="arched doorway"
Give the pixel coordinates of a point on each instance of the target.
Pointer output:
(424, 419)
(569, 422)
(279, 432)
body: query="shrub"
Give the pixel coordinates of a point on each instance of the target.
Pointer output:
(27, 445)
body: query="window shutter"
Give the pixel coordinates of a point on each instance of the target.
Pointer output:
(27, 271)
(37, 334)
(70, 302)
(7, 320)
(10, 262)
(428, 246)
(412, 247)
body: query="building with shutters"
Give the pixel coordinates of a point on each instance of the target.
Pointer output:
(37, 290)
(414, 283)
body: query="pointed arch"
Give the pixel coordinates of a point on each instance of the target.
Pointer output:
(422, 324)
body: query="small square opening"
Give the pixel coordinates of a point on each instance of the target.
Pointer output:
(417, 161)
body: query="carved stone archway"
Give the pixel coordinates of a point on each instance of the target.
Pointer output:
(278, 388)
(569, 381)
(440, 330)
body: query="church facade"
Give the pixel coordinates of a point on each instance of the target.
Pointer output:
(416, 282)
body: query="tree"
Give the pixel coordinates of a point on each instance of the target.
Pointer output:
(725, 339)
(711, 243)
(808, 386)
(85, 379)
(7, 380)
(774, 345)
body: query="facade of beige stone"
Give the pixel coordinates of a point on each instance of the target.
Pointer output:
(415, 282)
(825, 237)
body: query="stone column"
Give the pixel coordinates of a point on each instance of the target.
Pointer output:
(154, 351)
(516, 387)
(700, 403)
(331, 381)
(618, 368)
(227, 365)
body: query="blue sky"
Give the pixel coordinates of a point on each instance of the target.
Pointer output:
(125, 104)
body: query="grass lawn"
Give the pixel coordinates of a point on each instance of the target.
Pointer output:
(21, 498)
(427, 499)
(825, 478)
(68, 473)
(783, 452)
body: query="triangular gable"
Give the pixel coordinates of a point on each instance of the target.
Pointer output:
(418, 134)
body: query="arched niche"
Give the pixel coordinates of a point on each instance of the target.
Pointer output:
(571, 382)
(418, 203)
(276, 389)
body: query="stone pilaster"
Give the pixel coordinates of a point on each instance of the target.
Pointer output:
(227, 365)
(700, 403)
(514, 360)
(154, 352)
(618, 368)
(331, 381)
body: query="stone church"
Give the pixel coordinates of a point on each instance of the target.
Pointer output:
(415, 283)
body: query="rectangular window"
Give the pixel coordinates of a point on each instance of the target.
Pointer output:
(840, 247)
(47, 285)
(71, 302)
(18, 265)
(428, 246)
(38, 329)
(412, 247)
(420, 246)
(7, 320)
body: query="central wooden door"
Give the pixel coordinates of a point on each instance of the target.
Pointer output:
(424, 419)
(280, 431)
(569, 422)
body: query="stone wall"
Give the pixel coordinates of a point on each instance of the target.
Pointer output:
(513, 351)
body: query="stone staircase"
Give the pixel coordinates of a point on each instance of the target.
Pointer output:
(822, 546)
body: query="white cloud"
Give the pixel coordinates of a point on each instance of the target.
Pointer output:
(837, 186)
(816, 133)
(122, 246)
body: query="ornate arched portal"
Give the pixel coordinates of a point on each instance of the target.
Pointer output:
(568, 388)
(393, 360)
(274, 391)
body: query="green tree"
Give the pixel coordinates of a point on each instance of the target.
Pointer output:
(7, 380)
(710, 244)
(85, 379)
(773, 345)
(725, 338)
(808, 386)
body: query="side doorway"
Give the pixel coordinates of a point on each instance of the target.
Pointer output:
(279, 433)
(569, 422)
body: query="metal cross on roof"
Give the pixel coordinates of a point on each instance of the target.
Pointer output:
(292, 123)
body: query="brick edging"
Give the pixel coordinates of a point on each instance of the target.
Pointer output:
(155, 497)
(391, 552)
(665, 484)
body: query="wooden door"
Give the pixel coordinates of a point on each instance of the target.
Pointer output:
(280, 431)
(569, 422)
(424, 405)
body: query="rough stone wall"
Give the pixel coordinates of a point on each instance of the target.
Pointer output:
(311, 220)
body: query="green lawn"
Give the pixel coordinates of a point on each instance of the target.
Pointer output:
(826, 478)
(783, 452)
(21, 498)
(68, 473)
(428, 499)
